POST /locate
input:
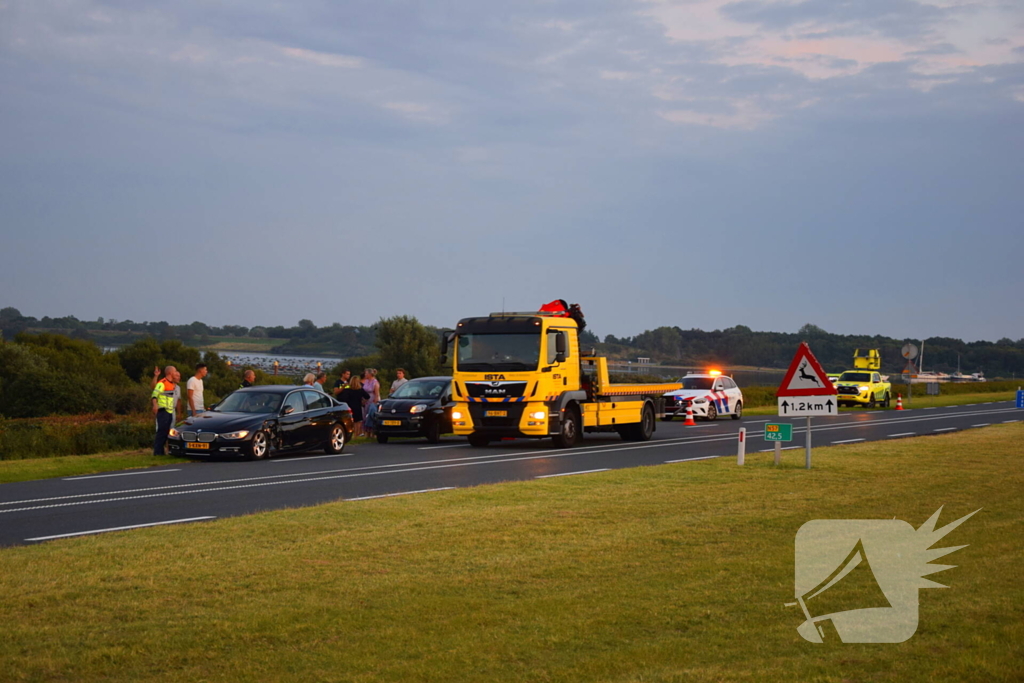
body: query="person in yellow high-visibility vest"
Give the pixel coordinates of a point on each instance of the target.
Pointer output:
(164, 401)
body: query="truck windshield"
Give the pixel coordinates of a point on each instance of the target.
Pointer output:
(484, 352)
(855, 377)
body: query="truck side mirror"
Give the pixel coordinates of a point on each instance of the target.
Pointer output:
(445, 338)
(560, 346)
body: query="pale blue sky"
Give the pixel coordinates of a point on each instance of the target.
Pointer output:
(855, 165)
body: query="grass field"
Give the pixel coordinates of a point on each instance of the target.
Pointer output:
(668, 573)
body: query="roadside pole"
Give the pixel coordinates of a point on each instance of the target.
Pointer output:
(808, 456)
(778, 453)
(741, 449)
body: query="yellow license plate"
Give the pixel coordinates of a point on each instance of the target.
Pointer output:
(198, 445)
(496, 413)
(392, 423)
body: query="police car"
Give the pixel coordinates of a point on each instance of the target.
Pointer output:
(709, 395)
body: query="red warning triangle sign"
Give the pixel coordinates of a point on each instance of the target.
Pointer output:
(805, 376)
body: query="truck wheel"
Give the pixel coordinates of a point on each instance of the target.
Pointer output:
(569, 433)
(871, 402)
(888, 400)
(738, 413)
(712, 413)
(642, 431)
(478, 440)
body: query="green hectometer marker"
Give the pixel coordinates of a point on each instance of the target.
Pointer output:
(782, 431)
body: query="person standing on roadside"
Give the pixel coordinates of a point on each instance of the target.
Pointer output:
(177, 388)
(309, 379)
(321, 377)
(341, 383)
(248, 379)
(372, 387)
(194, 390)
(354, 396)
(396, 385)
(164, 403)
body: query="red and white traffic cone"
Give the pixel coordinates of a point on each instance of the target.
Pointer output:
(899, 402)
(689, 418)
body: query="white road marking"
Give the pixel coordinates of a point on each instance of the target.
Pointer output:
(453, 445)
(703, 457)
(892, 436)
(122, 474)
(569, 474)
(118, 528)
(313, 457)
(400, 493)
(945, 429)
(931, 408)
(983, 424)
(849, 441)
(1007, 422)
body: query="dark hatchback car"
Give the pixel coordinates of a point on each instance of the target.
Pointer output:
(256, 422)
(418, 408)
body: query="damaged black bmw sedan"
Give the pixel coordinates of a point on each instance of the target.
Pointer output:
(258, 422)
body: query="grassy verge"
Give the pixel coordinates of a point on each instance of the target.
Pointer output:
(675, 572)
(78, 465)
(916, 402)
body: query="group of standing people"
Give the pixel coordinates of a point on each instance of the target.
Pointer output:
(362, 394)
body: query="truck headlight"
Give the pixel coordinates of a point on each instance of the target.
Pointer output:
(418, 408)
(456, 415)
(539, 415)
(235, 435)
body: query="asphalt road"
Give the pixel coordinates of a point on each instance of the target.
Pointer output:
(37, 511)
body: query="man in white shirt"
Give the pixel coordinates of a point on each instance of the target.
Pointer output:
(195, 391)
(400, 375)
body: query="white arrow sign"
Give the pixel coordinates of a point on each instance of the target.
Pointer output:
(807, 406)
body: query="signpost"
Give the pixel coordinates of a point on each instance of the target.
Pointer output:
(806, 391)
(1020, 398)
(778, 432)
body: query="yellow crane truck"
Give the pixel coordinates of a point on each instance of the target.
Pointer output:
(523, 375)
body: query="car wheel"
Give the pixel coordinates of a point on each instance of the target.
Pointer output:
(888, 400)
(382, 438)
(569, 432)
(258, 447)
(712, 413)
(433, 431)
(738, 413)
(871, 401)
(336, 440)
(478, 440)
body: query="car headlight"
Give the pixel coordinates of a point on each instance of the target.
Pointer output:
(235, 435)
(863, 388)
(700, 400)
(418, 408)
(456, 415)
(174, 432)
(539, 415)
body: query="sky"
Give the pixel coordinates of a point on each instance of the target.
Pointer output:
(856, 165)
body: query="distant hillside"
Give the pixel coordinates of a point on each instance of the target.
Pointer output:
(732, 347)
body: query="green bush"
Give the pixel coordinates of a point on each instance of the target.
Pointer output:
(48, 438)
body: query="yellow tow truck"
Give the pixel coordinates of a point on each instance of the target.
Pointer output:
(864, 386)
(522, 375)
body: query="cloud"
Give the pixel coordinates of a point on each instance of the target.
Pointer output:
(323, 58)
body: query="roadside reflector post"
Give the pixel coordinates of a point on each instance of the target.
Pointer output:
(741, 451)
(808, 457)
(778, 453)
